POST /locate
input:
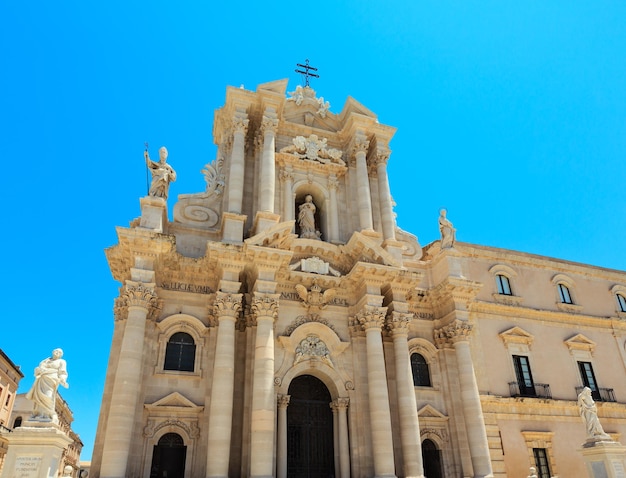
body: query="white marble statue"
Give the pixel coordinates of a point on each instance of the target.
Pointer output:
(306, 219)
(533, 472)
(162, 174)
(448, 232)
(50, 373)
(589, 414)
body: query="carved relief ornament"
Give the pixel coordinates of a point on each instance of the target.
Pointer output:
(314, 148)
(457, 331)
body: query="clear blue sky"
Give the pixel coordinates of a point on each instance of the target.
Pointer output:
(510, 114)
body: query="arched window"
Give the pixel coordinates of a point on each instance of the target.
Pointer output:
(421, 373)
(18, 422)
(564, 294)
(621, 302)
(180, 353)
(504, 285)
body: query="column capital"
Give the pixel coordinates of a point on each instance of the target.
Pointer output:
(360, 145)
(371, 317)
(333, 183)
(269, 124)
(227, 305)
(398, 323)
(340, 404)
(457, 331)
(286, 175)
(136, 294)
(240, 124)
(381, 157)
(283, 400)
(265, 305)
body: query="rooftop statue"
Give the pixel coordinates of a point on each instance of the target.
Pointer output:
(448, 232)
(589, 414)
(162, 174)
(50, 373)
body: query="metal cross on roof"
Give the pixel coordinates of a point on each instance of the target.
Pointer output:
(307, 71)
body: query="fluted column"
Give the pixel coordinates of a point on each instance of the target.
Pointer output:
(398, 324)
(267, 185)
(237, 164)
(286, 175)
(139, 301)
(363, 184)
(265, 308)
(386, 207)
(333, 212)
(226, 308)
(340, 409)
(372, 319)
(281, 448)
(457, 333)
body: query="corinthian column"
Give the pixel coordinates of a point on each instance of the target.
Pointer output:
(286, 175)
(237, 161)
(281, 448)
(386, 208)
(140, 301)
(457, 333)
(372, 319)
(268, 160)
(363, 184)
(265, 308)
(226, 307)
(398, 325)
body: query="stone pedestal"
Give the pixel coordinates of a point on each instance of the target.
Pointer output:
(232, 227)
(264, 220)
(35, 451)
(605, 459)
(153, 213)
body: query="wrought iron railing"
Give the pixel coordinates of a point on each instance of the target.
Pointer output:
(600, 394)
(538, 390)
(4, 429)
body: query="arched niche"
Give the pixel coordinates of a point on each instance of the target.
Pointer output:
(321, 202)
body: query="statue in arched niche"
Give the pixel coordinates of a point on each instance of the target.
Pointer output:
(306, 219)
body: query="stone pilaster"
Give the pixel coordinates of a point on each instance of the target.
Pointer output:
(340, 410)
(333, 185)
(386, 208)
(286, 176)
(237, 163)
(265, 308)
(139, 301)
(372, 319)
(457, 334)
(226, 309)
(361, 146)
(398, 325)
(267, 178)
(281, 445)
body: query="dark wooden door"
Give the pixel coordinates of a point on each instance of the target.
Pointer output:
(310, 452)
(168, 457)
(431, 456)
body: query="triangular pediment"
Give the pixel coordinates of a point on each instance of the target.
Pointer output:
(352, 106)
(516, 335)
(278, 86)
(277, 236)
(580, 342)
(364, 249)
(173, 400)
(428, 411)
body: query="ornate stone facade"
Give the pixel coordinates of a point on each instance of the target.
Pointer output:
(237, 322)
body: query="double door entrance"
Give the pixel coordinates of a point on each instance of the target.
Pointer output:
(310, 449)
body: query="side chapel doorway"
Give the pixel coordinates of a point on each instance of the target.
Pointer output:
(431, 456)
(310, 450)
(168, 457)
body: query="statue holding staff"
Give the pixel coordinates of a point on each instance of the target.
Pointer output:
(162, 174)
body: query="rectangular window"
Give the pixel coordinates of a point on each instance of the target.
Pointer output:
(589, 379)
(541, 462)
(504, 286)
(524, 376)
(6, 404)
(564, 294)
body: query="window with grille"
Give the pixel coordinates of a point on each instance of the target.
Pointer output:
(180, 353)
(421, 372)
(504, 285)
(541, 462)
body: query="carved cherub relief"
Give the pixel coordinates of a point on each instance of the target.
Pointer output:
(315, 298)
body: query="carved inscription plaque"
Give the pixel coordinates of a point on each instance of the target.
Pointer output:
(27, 466)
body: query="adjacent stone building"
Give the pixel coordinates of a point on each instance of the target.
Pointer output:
(283, 325)
(10, 376)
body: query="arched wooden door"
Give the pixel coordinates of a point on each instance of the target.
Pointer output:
(168, 457)
(310, 451)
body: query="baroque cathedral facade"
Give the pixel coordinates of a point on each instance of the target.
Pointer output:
(283, 325)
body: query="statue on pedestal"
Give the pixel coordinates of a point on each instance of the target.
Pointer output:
(306, 219)
(448, 232)
(589, 414)
(162, 174)
(50, 373)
